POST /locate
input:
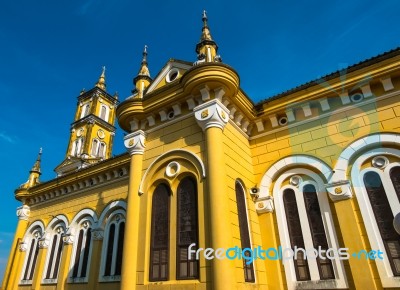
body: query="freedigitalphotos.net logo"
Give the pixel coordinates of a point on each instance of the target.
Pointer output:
(251, 254)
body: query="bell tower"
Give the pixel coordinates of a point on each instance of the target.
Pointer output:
(92, 132)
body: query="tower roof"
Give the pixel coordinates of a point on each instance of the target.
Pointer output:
(101, 83)
(36, 166)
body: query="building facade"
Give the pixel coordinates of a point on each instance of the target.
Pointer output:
(216, 192)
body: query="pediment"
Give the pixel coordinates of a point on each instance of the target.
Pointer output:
(171, 73)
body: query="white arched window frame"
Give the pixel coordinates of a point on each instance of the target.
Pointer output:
(85, 110)
(77, 147)
(112, 244)
(373, 233)
(340, 280)
(55, 232)
(104, 112)
(81, 229)
(30, 244)
(98, 148)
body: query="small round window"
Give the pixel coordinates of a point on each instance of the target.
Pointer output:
(172, 75)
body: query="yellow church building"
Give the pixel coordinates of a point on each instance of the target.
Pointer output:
(298, 191)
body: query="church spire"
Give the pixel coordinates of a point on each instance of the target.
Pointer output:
(34, 173)
(101, 83)
(207, 48)
(36, 166)
(143, 79)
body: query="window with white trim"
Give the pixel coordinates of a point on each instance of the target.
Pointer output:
(54, 253)
(244, 229)
(98, 148)
(113, 247)
(82, 252)
(32, 246)
(104, 112)
(77, 147)
(305, 222)
(85, 110)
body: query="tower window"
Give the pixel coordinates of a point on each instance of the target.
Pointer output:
(244, 230)
(98, 148)
(187, 267)
(85, 110)
(159, 247)
(104, 112)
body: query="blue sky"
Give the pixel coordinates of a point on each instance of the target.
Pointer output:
(50, 50)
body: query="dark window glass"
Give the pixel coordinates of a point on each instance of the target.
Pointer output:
(296, 235)
(187, 229)
(395, 177)
(50, 263)
(58, 258)
(384, 218)
(86, 252)
(244, 230)
(110, 249)
(317, 230)
(159, 234)
(120, 249)
(77, 255)
(35, 254)
(28, 263)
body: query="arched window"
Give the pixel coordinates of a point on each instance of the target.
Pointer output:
(113, 248)
(102, 150)
(318, 235)
(85, 110)
(395, 177)
(187, 229)
(82, 252)
(32, 245)
(54, 254)
(296, 234)
(305, 224)
(76, 147)
(159, 248)
(244, 230)
(104, 112)
(384, 215)
(95, 147)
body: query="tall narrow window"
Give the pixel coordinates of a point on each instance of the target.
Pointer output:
(384, 218)
(395, 177)
(103, 112)
(102, 149)
(32, 257)
(82, 252)
(317, 230)
(54, 258)
(95, 147)
(85, 110)
(244, 230)
(296, 234)
(159, 247)
(114, 247)
(187, 267)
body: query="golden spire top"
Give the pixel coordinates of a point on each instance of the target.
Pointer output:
(144, 70)
(36, 166)
(205, 34)
(101, 83)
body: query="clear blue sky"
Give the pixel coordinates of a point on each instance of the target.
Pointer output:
(50, 50)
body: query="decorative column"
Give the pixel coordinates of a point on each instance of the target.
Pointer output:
(97, 234)
(212, 118)
(68, 240)
(340, 192)
(134, 143)
(11, 273)
(44, 243)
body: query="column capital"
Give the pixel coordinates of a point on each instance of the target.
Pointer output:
(98, 234)
(265, 204)
(339, 190)
(135, 142)
(23, 212)
(211, 114)
(23, 246)
(44, 242)
(68, 238)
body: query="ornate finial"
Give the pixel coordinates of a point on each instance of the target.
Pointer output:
(36, 166)
(101, 83)
(144, 70)
(205, 35)
(204, 18)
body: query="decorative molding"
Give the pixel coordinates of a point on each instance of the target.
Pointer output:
(98, 234)
(339, 190)
(23, 212)
(23, 246)
(211, 114)
(135, 142)
(44, 241)
(173, 168)
(265, 204)
(68, 239)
